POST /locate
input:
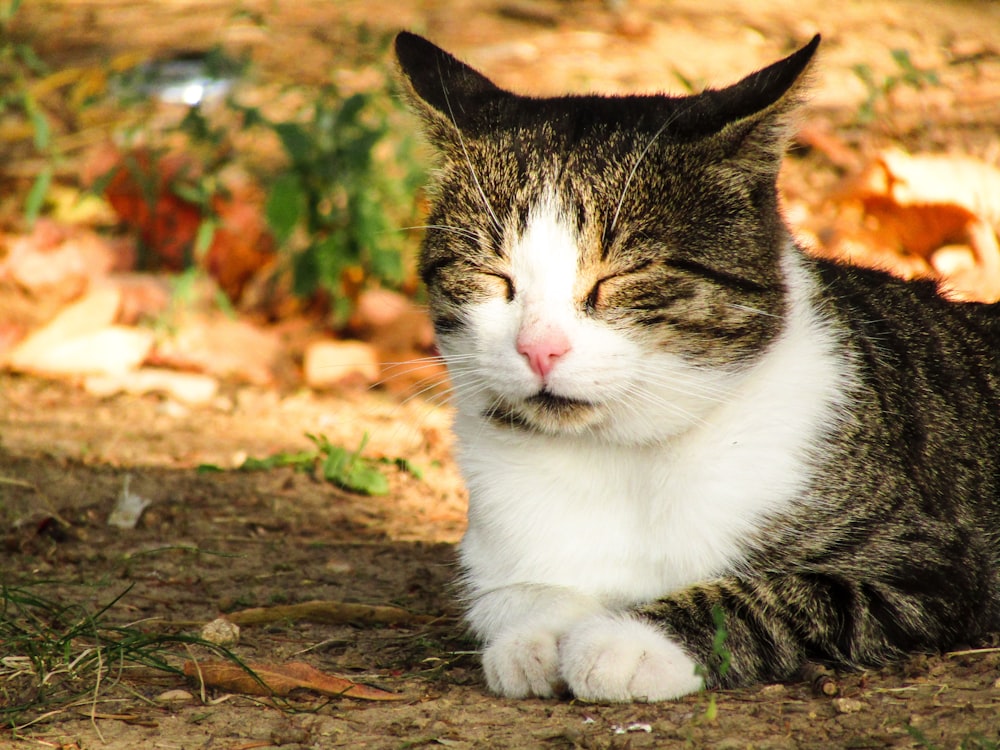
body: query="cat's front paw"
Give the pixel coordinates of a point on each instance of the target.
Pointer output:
(523, 661)
(621, 659)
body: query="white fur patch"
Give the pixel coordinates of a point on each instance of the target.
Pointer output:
(664, 493)
(523, 659)
(620, 658)
(543, 269)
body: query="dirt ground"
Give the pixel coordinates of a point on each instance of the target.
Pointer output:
(218, 542)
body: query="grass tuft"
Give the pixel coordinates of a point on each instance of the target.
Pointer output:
(54, 656)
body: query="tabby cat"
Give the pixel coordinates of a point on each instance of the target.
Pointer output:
(668, 415)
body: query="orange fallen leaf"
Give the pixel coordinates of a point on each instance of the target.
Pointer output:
(144, 187)
(280, 679)
(916, 204)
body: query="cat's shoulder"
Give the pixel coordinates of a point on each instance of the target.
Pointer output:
(855, 289)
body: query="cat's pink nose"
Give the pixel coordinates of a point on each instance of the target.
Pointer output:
(543, 351)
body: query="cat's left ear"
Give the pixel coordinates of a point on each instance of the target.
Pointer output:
(448, 94)
(761, 112)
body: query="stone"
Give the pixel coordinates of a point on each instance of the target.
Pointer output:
(83, 340)
(187, 387)
(330, 363)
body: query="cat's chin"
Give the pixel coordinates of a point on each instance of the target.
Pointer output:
(547, 413)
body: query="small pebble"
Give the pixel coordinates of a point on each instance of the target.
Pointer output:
(221, 632)
(174, 696)
(847, 705)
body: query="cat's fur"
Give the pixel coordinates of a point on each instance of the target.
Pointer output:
(666, 411)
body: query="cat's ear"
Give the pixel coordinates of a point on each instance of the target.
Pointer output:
(760, 112)
(444, 91)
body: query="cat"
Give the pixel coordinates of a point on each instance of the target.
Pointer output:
(673, 424)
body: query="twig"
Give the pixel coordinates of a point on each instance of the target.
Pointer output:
(338, 613)
(820, 679)
(201, 678)
(97, 690)
(13, 482)
(973, 652)
(18, 483)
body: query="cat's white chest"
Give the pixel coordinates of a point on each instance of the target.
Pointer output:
(629, 520)
(623, 524)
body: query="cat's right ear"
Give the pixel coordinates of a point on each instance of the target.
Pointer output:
(448, 94)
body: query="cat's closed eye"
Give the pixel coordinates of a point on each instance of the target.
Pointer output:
(500, 283)
(601, 292)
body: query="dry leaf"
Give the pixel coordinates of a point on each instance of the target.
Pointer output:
(242, 243)
(218, 345)
(128, 508)
(58, 259)
(143, 191)
(82, 340)
(819, 136)
(338, 613)
(280, 679)
(916, 204)
(139, 191)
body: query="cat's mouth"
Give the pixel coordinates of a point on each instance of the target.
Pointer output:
(554, 402)
(547, 412)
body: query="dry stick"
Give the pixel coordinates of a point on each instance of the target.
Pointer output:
(14, 482)
(97, 690)
(202, 693)
(337, 613)
(820, 679)
(973, 652)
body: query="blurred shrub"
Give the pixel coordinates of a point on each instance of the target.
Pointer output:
(879, 89)
(336, 186)
(22, 116)
(344, 189)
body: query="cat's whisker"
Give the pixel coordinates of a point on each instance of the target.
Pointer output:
(430, 359)
(427, 385)
(460, 231)
(426, 406)
(675, 381)
(458, 369)
(654, 381)
(468, 380)
(635, 167)
(412, 366)
(402, 369)
(685, 386)
(754, 310)
(497, 225)
(639, 397)
(440, 387)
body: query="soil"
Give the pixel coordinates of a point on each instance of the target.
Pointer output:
(218, 542)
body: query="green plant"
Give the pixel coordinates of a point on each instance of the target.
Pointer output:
(344, 468)
(338, 195)
(346, 185)
(973, 741)
(721, 658)
(689, 85)
(56, 655)
(20, 72)
(907, 74)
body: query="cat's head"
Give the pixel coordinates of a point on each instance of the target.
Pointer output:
(601, 264)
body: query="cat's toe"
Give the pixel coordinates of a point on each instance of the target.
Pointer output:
(622, 659)
(523, 662)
